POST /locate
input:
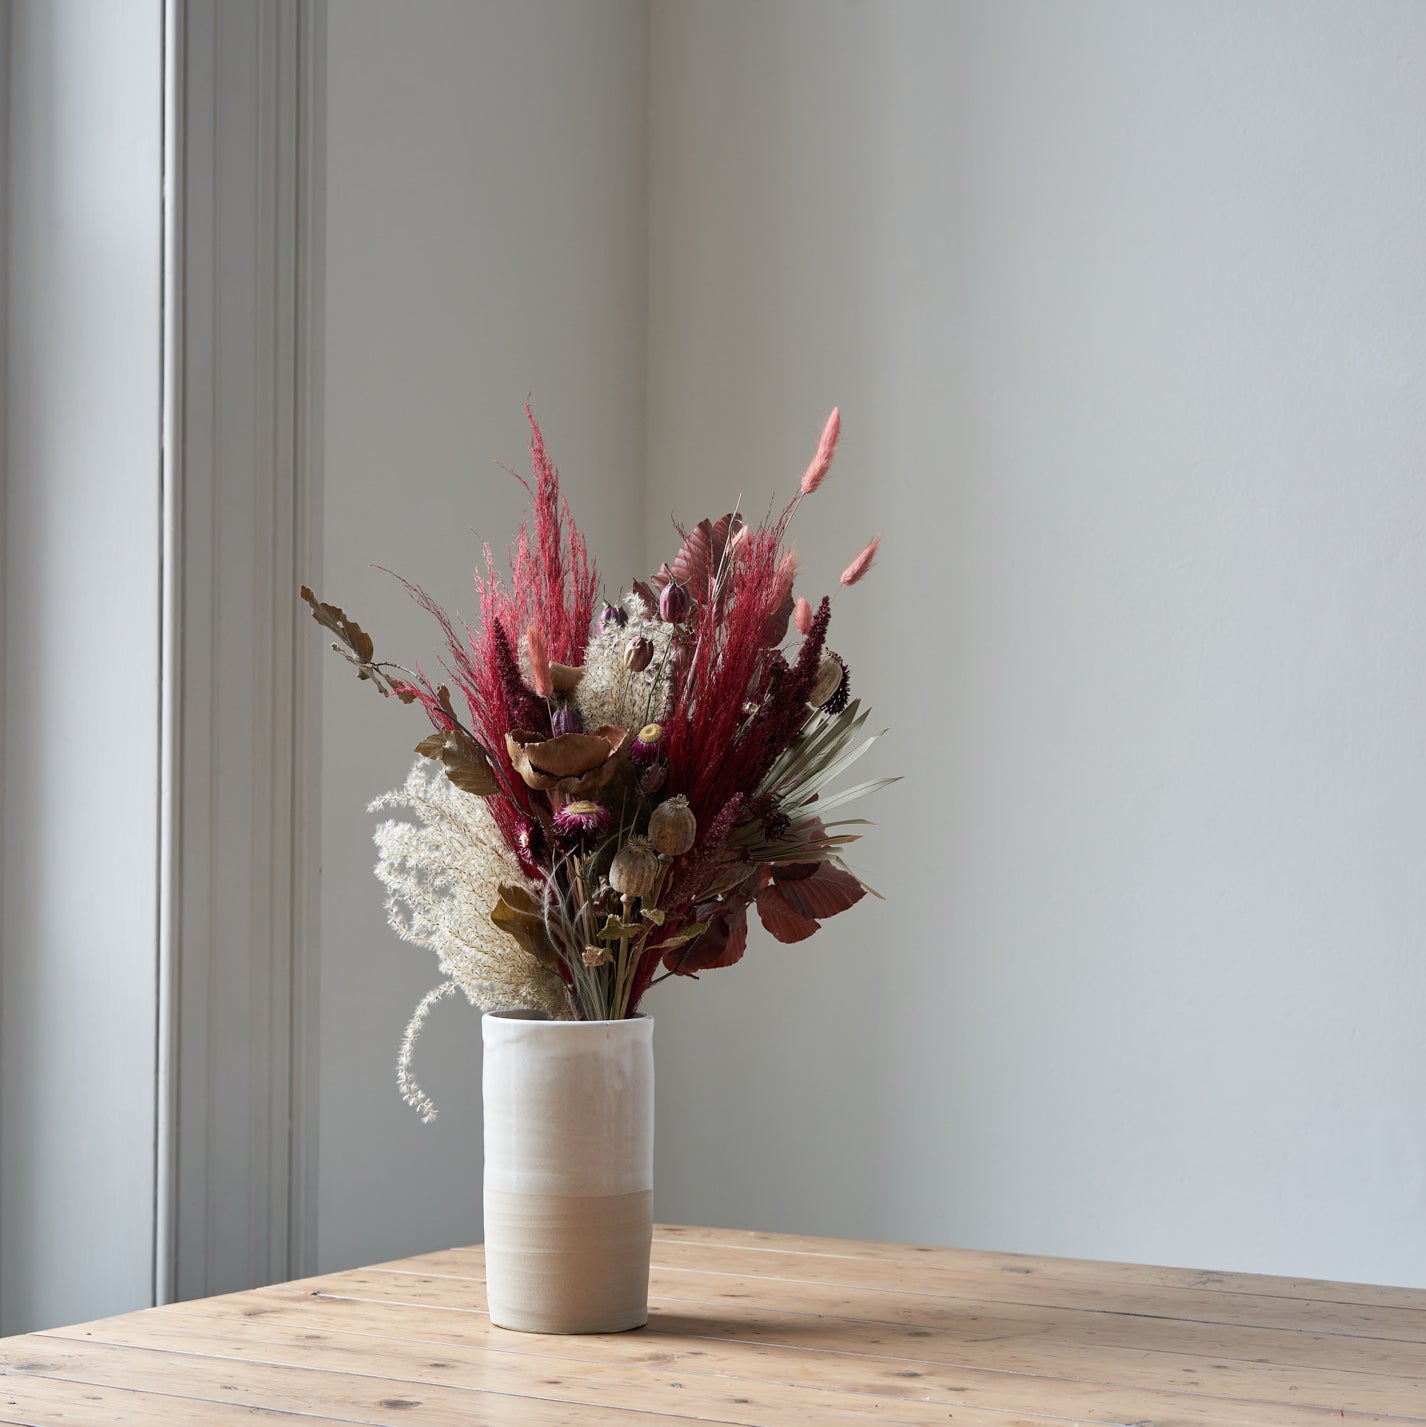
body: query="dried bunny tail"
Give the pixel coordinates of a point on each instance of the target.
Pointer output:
(826, 449)
(802, 615)
(539, 661)
(411, 1092)
(862, 563)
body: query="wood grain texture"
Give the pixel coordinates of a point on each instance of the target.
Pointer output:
(757, 1330)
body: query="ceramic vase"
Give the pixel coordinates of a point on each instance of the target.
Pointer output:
(569, 1145)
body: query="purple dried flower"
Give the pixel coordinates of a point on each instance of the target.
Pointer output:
(581, 821)
(647, 744)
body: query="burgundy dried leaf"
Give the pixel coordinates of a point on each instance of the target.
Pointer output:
(822, 892)
(722, 944)
(696, 565)
(783, 920)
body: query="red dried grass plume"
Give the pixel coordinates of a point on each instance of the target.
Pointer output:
(862, 563)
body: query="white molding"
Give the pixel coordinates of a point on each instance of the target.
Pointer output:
(242, 492)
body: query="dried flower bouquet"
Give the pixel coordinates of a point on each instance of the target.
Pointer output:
(622, 788)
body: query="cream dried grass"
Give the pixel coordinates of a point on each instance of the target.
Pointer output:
(442, 877)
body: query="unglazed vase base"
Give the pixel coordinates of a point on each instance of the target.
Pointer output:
(561, 1263)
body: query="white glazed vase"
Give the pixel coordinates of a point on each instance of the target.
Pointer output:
(569, 1172)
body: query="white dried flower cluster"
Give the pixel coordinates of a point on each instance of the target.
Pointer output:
(442, 877)
(608, 691)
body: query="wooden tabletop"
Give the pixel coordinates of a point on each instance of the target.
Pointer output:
(754, 1329)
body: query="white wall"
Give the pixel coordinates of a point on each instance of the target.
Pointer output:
(485, 240)
(81, 644)
(1124, 305)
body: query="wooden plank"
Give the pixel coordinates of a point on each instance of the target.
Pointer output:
(370, 1400)
(865, 1375)
(1058, 1269)
(656, 1382)
(915, 1315)
(50, 1402)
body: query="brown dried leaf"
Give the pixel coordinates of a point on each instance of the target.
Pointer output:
(329, 616)
(467, 764)
(433, 746)
(519, 913)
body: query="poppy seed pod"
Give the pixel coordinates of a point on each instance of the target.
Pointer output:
(634, 869)
(673, 603)
(672, 826)
(638, 654)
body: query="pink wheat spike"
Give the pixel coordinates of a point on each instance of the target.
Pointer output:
(826, 449)
(539, 662)
(862, 563)
(802, 615)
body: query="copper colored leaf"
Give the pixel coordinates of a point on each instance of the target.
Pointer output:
(721, 944)
(822, 892)
(433, 746)
(519, 913)
(783, 920)
(467, 764)
(348, 631)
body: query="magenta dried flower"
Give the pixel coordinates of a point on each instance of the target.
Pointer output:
(647, 744)
(530, 844)
(581, 821)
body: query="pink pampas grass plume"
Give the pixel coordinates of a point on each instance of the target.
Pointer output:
(802, 615)
(540, 661)
(862, 563)
(826, 449)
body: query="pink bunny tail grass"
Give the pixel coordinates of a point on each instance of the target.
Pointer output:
(862, 563)
(802, 616)
(539, 662)
(826, 449)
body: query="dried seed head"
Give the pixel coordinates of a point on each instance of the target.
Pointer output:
(672, 826)
(827, 682)
(673, 603)
(653, 778)
(638, 654)
(635, 868)
(614, 617)
(567, 719)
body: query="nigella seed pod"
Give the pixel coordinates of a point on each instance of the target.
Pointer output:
(653, 778)
(680, 651)
(672, 826)
(614, 617)
(638, 654)
(647, 744)
(673, 603)
(829, 679)
(635, 868)
(567, 719)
